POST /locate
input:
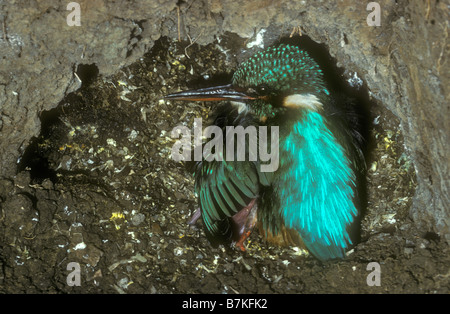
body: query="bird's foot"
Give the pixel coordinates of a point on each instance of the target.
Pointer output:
(240, 242)
(243, 223)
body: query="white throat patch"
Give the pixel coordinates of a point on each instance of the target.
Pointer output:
(307, 101)
(242, 107)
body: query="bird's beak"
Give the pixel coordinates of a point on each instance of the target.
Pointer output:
(216, 93)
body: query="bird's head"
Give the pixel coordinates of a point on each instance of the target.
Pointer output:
(269, 82)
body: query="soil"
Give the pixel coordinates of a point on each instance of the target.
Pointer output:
(98, 187)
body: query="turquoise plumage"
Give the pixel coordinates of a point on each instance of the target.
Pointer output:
(312, 199)
(321, 205)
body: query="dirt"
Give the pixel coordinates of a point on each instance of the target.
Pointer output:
(98, 187)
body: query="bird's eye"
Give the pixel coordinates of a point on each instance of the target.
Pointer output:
(262, 89)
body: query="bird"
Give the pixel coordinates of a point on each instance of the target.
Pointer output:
(312, 199)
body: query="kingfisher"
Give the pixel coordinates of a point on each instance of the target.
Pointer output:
(311, 200)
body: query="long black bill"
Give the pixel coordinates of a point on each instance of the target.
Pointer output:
(225, 92)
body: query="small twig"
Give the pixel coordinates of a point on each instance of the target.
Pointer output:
(5, 38)
(295, 30)
(192, 42)
(438, 68)
(178, 16)
(189, 6)
(427, 14)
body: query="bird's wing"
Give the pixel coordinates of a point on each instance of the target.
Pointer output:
(223, 189)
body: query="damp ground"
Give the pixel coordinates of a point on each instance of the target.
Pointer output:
(98, 188)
